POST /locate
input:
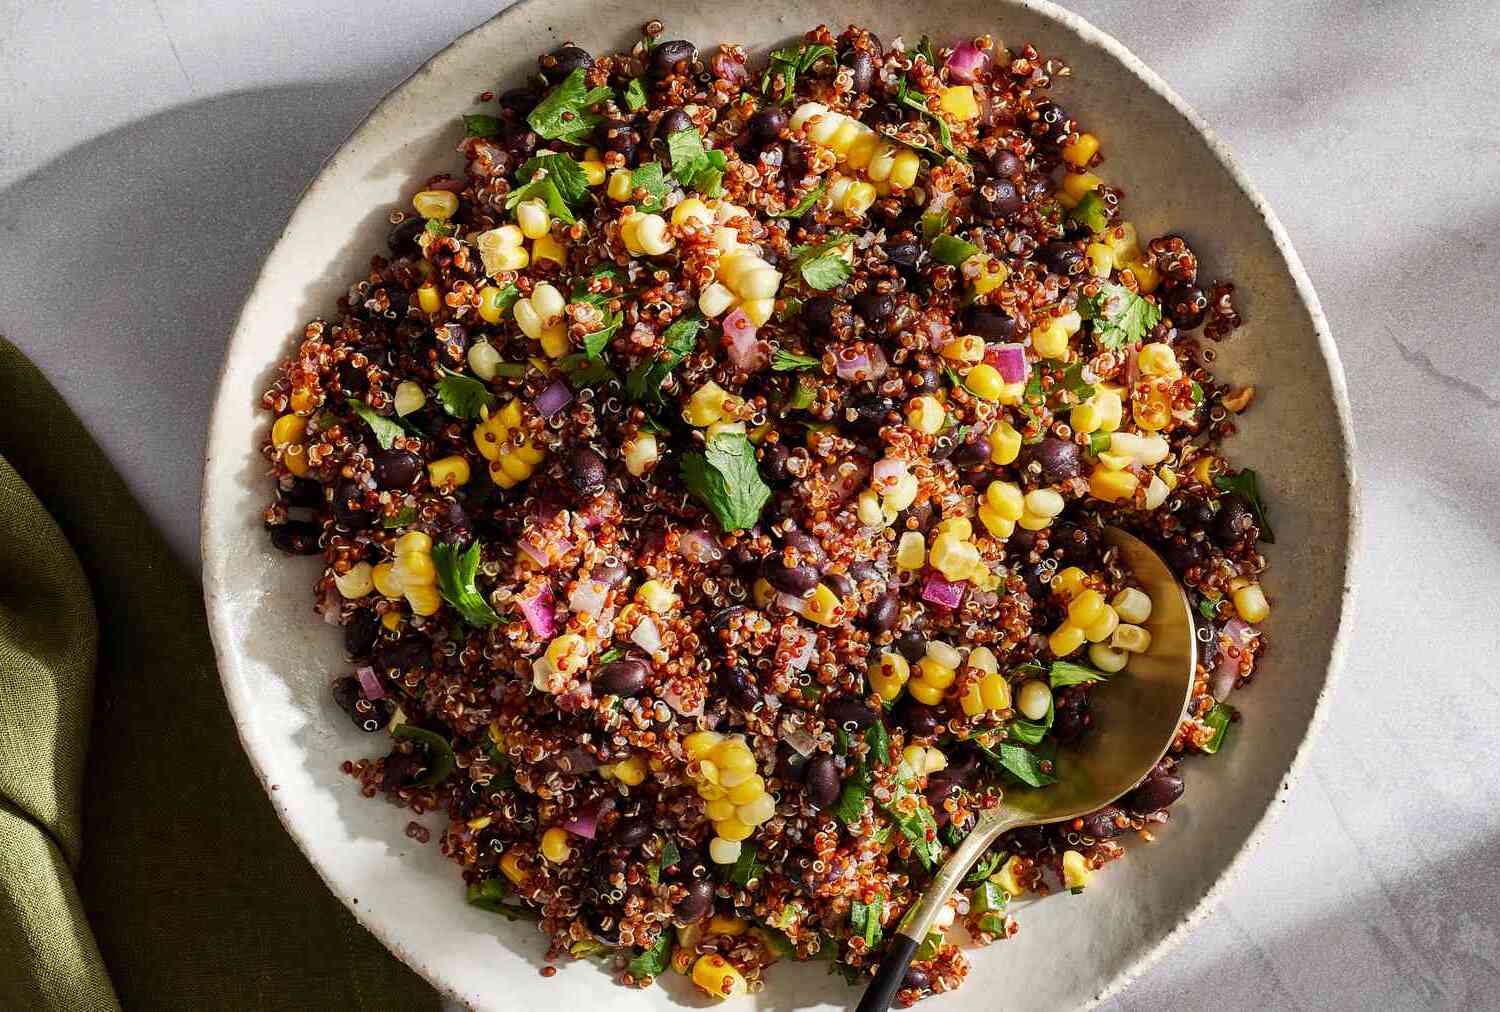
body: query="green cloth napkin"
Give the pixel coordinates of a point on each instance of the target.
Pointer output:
(141, 864)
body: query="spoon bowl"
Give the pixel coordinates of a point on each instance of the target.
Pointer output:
(1139, 711)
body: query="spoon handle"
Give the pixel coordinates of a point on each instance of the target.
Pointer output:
(923, 914)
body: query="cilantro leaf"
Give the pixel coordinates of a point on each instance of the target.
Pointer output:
(725, 478)
(1121, 317)
(1091, 213)
(595, 343)
(951, 250)
(908, 811)
(669, 856)
(1220, 718)
(790, 61)
(462, 396)
(864, 919)
(695, 166)
(747, 866)
(934, 224)
(1064, 673)
(1209, 606)
(649, 177)
(1245, 484)
(635, 95)
(571, 181)
(404, 516)
(991, 860)
(490, 895)
(851, 803)
(913, 99)
(652, 961)
(1021, 763)
(562, 114)
(679, 340)
(804, 205)
(385, 429)
(455, 578)
(1073, 380)
(481, 125)
(879, 740)
(789, 361)
(436, 226)
(803, 396)
(820, 264)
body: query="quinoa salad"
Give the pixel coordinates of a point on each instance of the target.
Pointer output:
(710, 486)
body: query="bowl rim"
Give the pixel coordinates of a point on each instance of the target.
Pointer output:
(1087, 34)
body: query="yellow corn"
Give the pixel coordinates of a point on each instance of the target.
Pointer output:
(449, 472)
(533, 219)
(717, 976)
(966, 349)
(555, 846)
(1111, 485)
(1157, 359)
(705, 405)
(1101, 259)
(904, 169)
(1103, 627)
(733, 829)
(1130, 638)
(619, 185)
(699, 744)
(641, 454)
(1065, 639)
(1075, 869)
(1087, 608)
(925, 414)
(1133, 605)
(657, 596)
(935, 673)
(439, 204)
(1107, 659)
(1005, 498)
(1033, 699)
(428, 299)
(998, 525)
(288, 429)
(1077, 185)
(957, 527)
(1082, 151)
(630, 771)
(547, 247)
(510, 867)
(911, 551)
(424, 600)
(994, 690)
(822, 606)
(1068, 583)
(924, 692)
(489, 304)
(593, 171)
(958, 101)
(1250, 603)
(1005, 443)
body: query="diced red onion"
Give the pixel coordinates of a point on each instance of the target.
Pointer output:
(941, 592)
(860, 362)
(588, 597)
(888, 471)
(646, 636)
(370, 683)
(553, 399)
(533, 551)
(967, 63)
(1228, 669)
(539, 613)
(672, 699)
(578, 761)
(586, 820)
(700, 546)
(797, 737)
(1132, 367)
(745, 350)
(1009, 360)
(792, 603)
(802, 645)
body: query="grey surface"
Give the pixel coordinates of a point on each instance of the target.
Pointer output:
(143, 174)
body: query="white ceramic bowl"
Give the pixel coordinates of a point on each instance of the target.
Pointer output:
(276, 657)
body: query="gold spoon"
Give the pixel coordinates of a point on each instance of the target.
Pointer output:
(1139, 710)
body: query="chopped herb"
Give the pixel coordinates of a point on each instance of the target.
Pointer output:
(924, 50)
(1065, 673)
(1019, 762)
(747, 866)
(562, 114)
(864, 919)
(595, 343)
(788, 361)
(1245, 484)
(490, 895)
(951, 250)
(435, 226)
(851, 803)
(480, 125)
(635, 95)
(1196, 389)
(669, 856)
(653, 180)
(789, 62)
(841, 741)
(653, 961)
(386, 430)
(1091, 213)
(583, 371)
(455, 577)
(568, 175)
(440, 760)
(879, 740)
(913, 99)
(695, 166)
(1219, 718)
(820, 264)
(934, 224)
(679, 340)
(462, 396)
(507, 297)
(725, 478)
(803, 397)
(1030, 732)
(1073, 380)
(612, 654)
(789, 308)
(1098, 442)
(406, 515)
(804, 205)
(909, 813)
(991, 860)
(929, 947)
(1121, 317)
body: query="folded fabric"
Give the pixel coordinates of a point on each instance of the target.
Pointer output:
(141, 865)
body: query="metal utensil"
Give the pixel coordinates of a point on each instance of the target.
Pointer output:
(1138, 714)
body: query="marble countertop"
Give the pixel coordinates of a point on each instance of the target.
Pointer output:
(144, 174)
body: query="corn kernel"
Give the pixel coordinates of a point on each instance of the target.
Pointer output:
(449, 472)
(1133, 605)
(1107, 659)
(886, 682)
(958, 101)
(413, 542)
(757, 810)
(294, 458)
(424, 600)
(904, 169)
(1082, 151)
(715, 299)
(1111, 485)
(911, 551)
(1033, 699)
(356, 583)
(532, 218)
(995, 691)
(822, 606)
(1085, 417)
(722, 851)
(716, 975)
(1065, 639)
(510, 867)
(1147, 277)
(1111, 409)
(733, 829)
(1157, 359)
(1068, 582)
(1103, 627)
(641, 454)
(391, 620)
(1250, 603)
(882, 160)
(619, 185)
(705, 405)
(984, 381)
(692, 210)
(657, 596)
(700, 744)
(1075, 868)
(924, 692)
(925, 414)
(385, 581)
(955, 527)
(428, 299)
(548, 248)
(1130, 638)
(759, 311)
(953, 558)
(943, 653)
(439, 204)
(710, 792)
(1043, 502)
(651, 235)
(1086, 608)
(1005, 443)
(555, 846)
(1101, 259)
(1006, 499)
(972, 700)
(717, 811)
(630, 771)
(1050, 340)
(999, 526)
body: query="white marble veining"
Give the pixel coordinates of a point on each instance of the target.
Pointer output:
(150, 151)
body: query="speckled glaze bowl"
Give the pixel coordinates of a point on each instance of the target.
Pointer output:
(276, 657)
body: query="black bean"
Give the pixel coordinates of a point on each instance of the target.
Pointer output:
(698, 902)
(1183, 554)
(840, 584)
(561, 62)
(766, 124)
(820, 778)
(939, 791)
(972, 452)
(625, 677)
(672, 121)
(304, 492)
(519, 101)
(807, 546)
(1050, 461)
(886, 114)
(798, 579)
(912, 646)
(618, 135)
(995, 198)
(1052, 123)
(1026, 840)
(349, 507)
(1072, 714)
(1064, 258)
(869, 414)
(297, 537)
(1021, 543)
(845, 711)
(875, 308)
(1075, 542)
(631, 831)
(904, 255)
(988, 322)
(926, 380)
(918, 718)
(862, 65)
(360, 634)
(773, 458)
(396, 469)
(1159, 790)
(916, 978)
(817, 316)
(1101, 824)
(672, 56)
(402, 239)
(519, 139)
(740, 688)
(1235, 522)
(411, 651)
(584, 470)
(1187, 305)
(1006, 164)
(603, 925)
(884, 612)
(1195, 514)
